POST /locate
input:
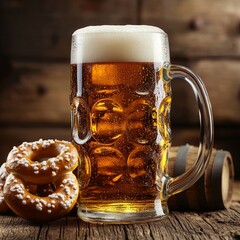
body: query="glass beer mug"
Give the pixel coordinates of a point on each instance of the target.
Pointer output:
(120, 119)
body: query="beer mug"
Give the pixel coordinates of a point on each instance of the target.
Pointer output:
(120, 119)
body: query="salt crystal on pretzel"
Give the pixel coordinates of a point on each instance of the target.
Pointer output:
(41, 209)
(23, 160)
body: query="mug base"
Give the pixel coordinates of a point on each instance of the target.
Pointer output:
(158, 212)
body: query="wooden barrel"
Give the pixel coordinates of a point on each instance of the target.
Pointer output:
(213, 191)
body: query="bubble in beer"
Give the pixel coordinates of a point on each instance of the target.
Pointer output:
(146, 79)
(107, 121)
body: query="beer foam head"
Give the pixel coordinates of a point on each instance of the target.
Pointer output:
(130, 43)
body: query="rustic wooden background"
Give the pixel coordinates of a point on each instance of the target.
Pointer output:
(34, 63)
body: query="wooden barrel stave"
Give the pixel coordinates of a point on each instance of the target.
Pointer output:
(212, 191)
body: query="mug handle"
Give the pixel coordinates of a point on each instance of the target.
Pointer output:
(180, 183)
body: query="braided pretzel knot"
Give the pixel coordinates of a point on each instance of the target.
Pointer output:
(27, 171)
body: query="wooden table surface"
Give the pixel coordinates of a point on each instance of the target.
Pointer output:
(222, 224)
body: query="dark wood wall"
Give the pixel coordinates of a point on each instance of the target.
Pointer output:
(34, 63)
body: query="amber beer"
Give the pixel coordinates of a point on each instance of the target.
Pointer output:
(120, 106)
(122, 154)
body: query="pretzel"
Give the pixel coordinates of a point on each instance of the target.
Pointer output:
(25, 160)
(41, 209)
(3, 175)
(40, 190)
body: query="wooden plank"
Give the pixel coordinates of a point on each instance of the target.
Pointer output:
(223, 224)
(36, 92)
(222, 81)
(43, 29)
(12, 227)
(39, 93)
(197, 28)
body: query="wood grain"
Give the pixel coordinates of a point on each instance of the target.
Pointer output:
(36, 92)
(43, 29)
(197, 28)
(222, 81)
(223, 224)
